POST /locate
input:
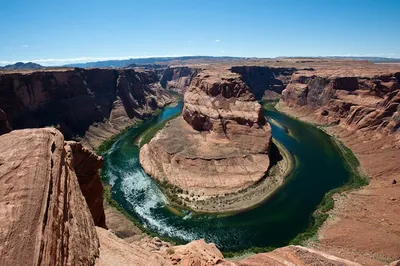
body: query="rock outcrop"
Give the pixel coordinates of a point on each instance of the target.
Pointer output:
(219, 145)
(44, 217)
(361, 107)
(363, 101)
(178, 78)
(92, 103)
(265, 82)
(86, 165)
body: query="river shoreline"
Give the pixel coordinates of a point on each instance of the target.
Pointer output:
(347, 207)
(312, 228)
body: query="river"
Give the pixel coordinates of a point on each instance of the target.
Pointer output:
(319, 169)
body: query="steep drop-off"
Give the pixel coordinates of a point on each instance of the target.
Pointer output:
(91, 103)
(86, 165)
(265, 82)
(359, 106)
(178, 79)
(364, 101)
(44, 218)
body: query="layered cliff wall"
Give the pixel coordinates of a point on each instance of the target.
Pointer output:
(265, 82)
(91, 103)
(219, 145)
(86, 165)
(362, 101)
(47, 221)
(360, 107)
(44, 218)
(178, 79)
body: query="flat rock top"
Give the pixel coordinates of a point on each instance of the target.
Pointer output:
(217, 82)
(366, 71)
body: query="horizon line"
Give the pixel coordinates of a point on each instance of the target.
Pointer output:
(83, 60)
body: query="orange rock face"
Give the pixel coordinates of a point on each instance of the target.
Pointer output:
(366, 101)
(362, 106)
(91, 103)
(86, 165)
(219, 145)
(44, 217)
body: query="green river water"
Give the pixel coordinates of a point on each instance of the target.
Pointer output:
(319, 169)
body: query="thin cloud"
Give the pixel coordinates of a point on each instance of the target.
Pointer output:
(25, 45)
(217, 40)
(63, 61)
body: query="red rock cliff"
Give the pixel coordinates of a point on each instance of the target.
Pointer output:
(44, 218)
(365, 101)
(265, 82)
(95, 103)
(86, 165)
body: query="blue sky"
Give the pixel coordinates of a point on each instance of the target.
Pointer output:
(57, 32)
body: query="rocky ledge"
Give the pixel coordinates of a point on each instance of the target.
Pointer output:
(359, 99)
(218, 146)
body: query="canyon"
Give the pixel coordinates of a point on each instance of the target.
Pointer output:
(51, 192)
(218, 146)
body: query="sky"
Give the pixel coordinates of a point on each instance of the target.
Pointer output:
(53, 32)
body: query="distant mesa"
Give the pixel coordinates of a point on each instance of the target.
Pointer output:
(22, 66)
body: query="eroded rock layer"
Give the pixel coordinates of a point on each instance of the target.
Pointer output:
(92, 103)
(365, 101)
(265, 82)
(178, 78)
(361, 107)
(219, 145)
(86, 165)
(44, 217)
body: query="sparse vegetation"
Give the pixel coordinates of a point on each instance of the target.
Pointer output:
(146, 136)
(106, 145)
(269, 104)
(356, 181)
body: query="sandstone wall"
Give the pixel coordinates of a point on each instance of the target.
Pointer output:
(95, 103)
(44, 218)
(86, 165)
(178, 78)
(364, 101)
(265, 82)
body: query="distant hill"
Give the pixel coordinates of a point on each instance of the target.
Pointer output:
(23, 66)
(148, 61)
(366, 58)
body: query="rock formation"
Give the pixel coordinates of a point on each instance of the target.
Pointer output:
(364, 101)
(86, 165)
(265, 82)
(44, 217)
(92, 103)
(219, 145)
(361, 107)
(178, 78)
